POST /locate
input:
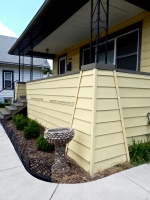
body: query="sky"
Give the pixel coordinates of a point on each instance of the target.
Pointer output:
(15, 15)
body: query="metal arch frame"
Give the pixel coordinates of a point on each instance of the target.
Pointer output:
(98, 6)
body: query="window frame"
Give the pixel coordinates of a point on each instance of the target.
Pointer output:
(12, 79)
(114, 36)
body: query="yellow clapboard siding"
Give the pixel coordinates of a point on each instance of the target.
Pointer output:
(136, 131)
(84, 103)
(108, 140)
(135, 112)
(146, 47)
(84, 115)
(105, 73)
(44, 123)
(105, 81)
(82, 126)
(86, 81)
(107, 116)
(135, 102)
(146, 39)
(82, 162)
(145, 62)
(82, 138)
(52, 106)
(108, 93)
(133, 82)
(48, 98)
(109, 152)
(134, 77)
(107, 104)
(145, 69)
(134, 92)
(99, 166)
(107, 128)
(80, 150)
(145, 55)
(55, 121)
(52, 113)
(53, 92)
(136, 121)
(56, 84)
(87, 73)
(85, 92)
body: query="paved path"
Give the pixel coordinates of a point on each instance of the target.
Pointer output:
(17, 184)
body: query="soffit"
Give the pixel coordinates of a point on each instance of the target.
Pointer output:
(77, 27)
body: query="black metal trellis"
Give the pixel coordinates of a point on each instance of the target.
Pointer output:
(97, 25)
(35, 166)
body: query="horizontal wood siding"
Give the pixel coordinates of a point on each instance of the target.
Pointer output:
(135, 100)
(51, 102)
(20, 90)
(37, 74)
(145, 56)
(109, 143)
(72, 56)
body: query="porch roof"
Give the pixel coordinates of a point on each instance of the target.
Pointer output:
(59, 25)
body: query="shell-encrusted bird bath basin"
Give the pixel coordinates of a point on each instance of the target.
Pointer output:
(59, 137)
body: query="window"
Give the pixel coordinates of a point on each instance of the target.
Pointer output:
(122, 51)
(7, 80)
(62, 65)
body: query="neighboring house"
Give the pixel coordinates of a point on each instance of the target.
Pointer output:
(106, 97)
(9, 71)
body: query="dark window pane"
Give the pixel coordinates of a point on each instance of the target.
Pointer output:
(110, 53)
(128, 63)
(62, 66)
(127, 44)
(86, 56)
(7, 83)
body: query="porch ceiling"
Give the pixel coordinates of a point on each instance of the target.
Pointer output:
(77, 27)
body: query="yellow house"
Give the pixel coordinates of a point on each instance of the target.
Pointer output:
(101, 75)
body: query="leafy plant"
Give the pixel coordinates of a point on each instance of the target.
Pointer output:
(2, 105)
(139, 152)
(32, 130)
(20, 121)
(43, 145)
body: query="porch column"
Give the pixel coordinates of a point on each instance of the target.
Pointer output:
(31, 67)
(98, 10)
(19, 68)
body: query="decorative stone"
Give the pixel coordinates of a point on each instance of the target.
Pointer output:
(59, 137)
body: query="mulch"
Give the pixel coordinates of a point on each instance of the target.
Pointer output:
(76, 174)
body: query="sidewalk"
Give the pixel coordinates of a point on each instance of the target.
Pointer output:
(17, 184)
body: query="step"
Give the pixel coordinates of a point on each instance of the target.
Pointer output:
(23, 97)
(4, 113)
(1, 116)
(22, 100)
(15, 105)
(10, 108)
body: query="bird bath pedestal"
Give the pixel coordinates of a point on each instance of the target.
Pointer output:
(59, 137)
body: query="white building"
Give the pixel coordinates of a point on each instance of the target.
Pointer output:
(9, 68)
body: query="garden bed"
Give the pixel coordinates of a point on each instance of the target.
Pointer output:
(76, 174)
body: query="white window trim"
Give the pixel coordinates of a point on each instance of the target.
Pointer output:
(115, 47)
(8, 80)
(60, 59)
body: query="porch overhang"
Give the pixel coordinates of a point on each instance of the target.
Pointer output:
(58, 25)
(140, 3)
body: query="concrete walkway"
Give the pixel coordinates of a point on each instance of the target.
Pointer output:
(17, 184)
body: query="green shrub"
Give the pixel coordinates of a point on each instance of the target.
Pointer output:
(20, 121)
(2, 105)
(32, 130)
(43, 145)
(139, 152)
